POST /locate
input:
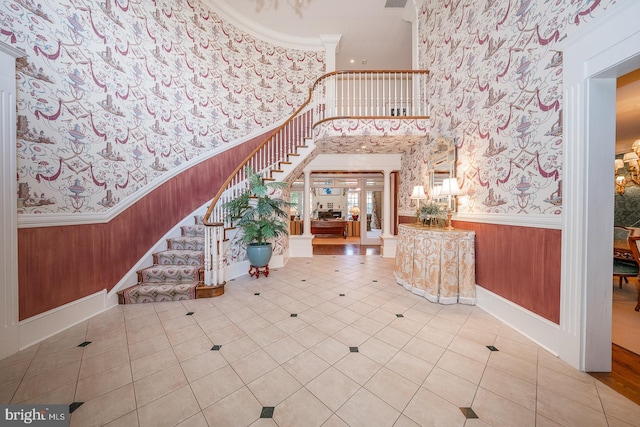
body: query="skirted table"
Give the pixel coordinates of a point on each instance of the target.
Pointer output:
(436, 263)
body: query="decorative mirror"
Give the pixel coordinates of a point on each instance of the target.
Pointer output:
(442, 166)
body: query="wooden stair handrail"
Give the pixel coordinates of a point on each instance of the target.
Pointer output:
(273, 134)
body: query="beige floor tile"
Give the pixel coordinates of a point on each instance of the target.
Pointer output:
(104, 382)
(499, 411)
(309, 336)
(330, 350)
(266, 336)
(329, 325)
(105, 408)
(365, 409)
(225, 335)
(252, 324)
(301, 409)
(410, 367)
(60, 396)
(566, 411)
(216, 386)
(8, 389)
(518, 368)
(214, 323)
(240, 408)
(187, 333)
(509, 387)
(581, 392)
(14, 372)
(368, 325)
(203, 364)
(335, 421)
(170, 409)
(159, 384)
(427, 409)
(284, 349)
(127, 420)
(192, 348)
(472, 350)
(46, 362)
(198, 420)
(378, 350)
(274, 387)
(358, 367)
(305, 366)
(392, 388)
(350, 336)
(424, 350)
(46, 382)
(242, 314)
(104, 361)
(333, 388)
(615, 406)
(461, 366)
(254, 365)
(435, 336)
(238, 349)
(153, 363)
(450, 387)
(144, 333)
(148, 347)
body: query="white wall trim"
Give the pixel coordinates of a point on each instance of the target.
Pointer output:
(47, 324)
(536, 221)
(64, 219)
(249, 26)
(536, 328)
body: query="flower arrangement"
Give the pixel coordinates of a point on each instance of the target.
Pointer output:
(431, 213)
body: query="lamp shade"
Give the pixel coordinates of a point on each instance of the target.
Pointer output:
(630, 156)
(418, 192)
(635, 145)
(619, 164)
(450, 187)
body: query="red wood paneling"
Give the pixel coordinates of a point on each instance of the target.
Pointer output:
(521, 264)
(57, 265)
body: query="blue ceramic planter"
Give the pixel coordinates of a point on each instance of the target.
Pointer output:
(259, 254)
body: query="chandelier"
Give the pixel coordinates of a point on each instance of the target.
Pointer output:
(631, 174)
(296, 5)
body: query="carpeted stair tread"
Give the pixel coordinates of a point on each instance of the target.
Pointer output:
(193, 230)
(188, 243)
(160, 292)
(179, 257)
(169, 273)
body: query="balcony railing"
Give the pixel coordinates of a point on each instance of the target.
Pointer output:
(340, 94)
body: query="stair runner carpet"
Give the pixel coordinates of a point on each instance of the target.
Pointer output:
(175, 273)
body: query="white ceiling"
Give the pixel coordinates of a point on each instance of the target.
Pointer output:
(370, 32)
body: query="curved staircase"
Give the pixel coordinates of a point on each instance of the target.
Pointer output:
(176, 274)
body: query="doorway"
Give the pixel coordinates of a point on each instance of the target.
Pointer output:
(594, 58)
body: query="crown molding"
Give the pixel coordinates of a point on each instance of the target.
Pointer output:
(252, 27)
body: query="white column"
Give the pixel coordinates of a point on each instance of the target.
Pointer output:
(306, 224)
(9, 329)
(386, 205)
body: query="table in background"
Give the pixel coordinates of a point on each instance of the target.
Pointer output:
(436, 263)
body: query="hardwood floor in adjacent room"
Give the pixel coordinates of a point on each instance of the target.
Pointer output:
(345, 249)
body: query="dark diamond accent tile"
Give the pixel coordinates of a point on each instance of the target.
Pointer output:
(336, 270)
(257, 293)
(492, 348)
(267, 412)
(74, 406)
(353, 349)
(84, 344)
(399, 315)
(294, 315)
(304, 280)
(216, 347)
(190, 313)
(468, 413)
(342, 295)
(374, 281)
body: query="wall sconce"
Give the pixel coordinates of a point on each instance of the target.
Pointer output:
(450, 188)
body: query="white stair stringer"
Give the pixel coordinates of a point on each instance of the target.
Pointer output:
(302, 158)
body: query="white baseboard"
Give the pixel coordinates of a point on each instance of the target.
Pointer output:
(45, 325)
(538, 329)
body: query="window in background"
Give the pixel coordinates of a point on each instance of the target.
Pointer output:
(352, 199)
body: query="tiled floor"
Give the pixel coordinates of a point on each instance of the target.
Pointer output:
(329, 341)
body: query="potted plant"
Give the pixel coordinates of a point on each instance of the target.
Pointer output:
(259, 216)
(431, 213)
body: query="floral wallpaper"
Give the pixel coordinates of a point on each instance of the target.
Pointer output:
(496, 86)
(113, 94)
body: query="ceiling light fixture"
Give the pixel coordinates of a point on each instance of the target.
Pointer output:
(296, 5)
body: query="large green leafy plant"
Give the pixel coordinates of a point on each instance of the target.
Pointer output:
(259, 216)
